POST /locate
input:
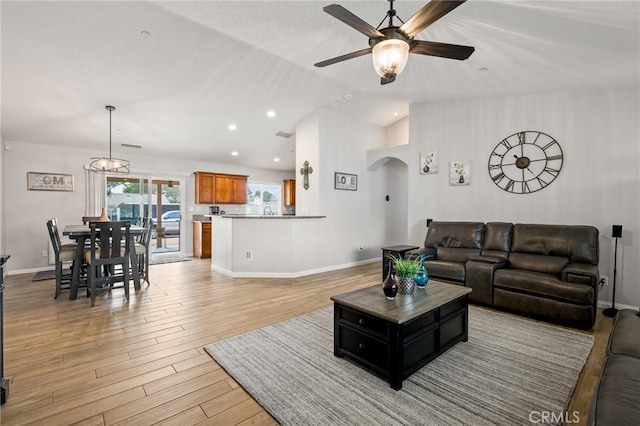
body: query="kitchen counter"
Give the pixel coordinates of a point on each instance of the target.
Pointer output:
(250, 246)
(273, 216)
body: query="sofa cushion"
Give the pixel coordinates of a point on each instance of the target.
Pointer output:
(497, 239)
(455, 235)
(543, 285)
(617, 399)
(578, 243)
(624, 339)
(539, 263)
(456, 254)
(446, 269)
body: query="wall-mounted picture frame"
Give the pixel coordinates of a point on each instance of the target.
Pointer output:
(429, 163)
(345, 181)
(460, 173)
(37, 181)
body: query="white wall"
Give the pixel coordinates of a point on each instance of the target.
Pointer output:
(26, 213)
(2, 192)
(354, 217)
(599, 183)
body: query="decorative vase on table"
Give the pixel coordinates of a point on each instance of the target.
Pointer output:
(422, 277)
(406, 285)
(390, 286)
(103, 216)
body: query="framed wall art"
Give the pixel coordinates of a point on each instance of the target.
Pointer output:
(459, 173)
(49, 181)
(345, 181)
(429, 162)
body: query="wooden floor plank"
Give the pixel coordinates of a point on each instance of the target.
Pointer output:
(142, 362)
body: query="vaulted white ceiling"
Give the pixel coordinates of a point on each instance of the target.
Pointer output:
(207, 64)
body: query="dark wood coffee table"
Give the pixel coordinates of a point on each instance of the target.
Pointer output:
(396, 338)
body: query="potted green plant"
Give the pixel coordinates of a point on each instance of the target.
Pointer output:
(405, 271)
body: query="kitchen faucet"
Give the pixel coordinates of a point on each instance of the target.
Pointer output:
(265, 211)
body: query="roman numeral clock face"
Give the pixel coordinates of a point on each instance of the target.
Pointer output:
(525, 162)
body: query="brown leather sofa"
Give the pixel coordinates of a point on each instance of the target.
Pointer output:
(543, 271)
(616, 400)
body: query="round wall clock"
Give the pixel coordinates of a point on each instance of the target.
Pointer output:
(525, 162)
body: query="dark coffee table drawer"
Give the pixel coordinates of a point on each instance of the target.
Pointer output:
(364, 347)
(368, 322)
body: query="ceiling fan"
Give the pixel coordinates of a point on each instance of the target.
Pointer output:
(391, 45)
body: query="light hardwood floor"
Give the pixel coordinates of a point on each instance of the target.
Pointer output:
(143, 362)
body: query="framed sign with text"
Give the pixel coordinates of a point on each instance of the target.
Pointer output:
(49, 182)
(345, 181)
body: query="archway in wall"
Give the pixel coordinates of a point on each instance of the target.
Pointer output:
(397, 207)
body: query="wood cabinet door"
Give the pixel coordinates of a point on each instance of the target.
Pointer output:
(206, 240)
(290, 192)
(239, 190)
(204, 188)
(223, 189)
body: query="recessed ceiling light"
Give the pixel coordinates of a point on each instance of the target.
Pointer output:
(395, 114)
(145, 34)
(347, 96)
(119, 130)
(271, 114)
(233, 127)
(276, 159)
(483, 69)
(234, 153)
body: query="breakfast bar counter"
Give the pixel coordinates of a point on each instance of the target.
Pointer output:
(268, 246)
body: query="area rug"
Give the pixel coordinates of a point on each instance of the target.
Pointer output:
(509, 370)
(48, 275)
(158, 260)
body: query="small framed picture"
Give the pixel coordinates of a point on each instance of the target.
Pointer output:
(345, 181)
(49, 182)
(429, 162)
(459, 173)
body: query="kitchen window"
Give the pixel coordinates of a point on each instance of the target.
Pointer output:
(264, 198)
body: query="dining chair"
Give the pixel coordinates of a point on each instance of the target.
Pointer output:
(64, 253)
(108, 257)
(142, 246)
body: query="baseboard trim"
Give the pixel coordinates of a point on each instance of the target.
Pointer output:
(31, 270)
(607, 304)
(296, 274)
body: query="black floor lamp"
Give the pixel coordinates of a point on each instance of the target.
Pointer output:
(615, 233)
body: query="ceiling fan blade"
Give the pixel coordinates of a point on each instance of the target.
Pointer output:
(426, 16)
(352, 20)
(443, 50)
(343, 57)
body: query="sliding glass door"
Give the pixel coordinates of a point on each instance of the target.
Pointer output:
(132, 198)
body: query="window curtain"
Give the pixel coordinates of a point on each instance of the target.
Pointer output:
(95, 192)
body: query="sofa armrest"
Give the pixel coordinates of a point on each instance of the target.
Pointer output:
(581, 273)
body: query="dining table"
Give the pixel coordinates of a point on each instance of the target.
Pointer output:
(80, 234)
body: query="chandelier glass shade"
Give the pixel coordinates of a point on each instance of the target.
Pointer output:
(390, 57)
(109, 164)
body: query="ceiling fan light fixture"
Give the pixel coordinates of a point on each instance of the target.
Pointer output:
(390, 57)
(109, 164)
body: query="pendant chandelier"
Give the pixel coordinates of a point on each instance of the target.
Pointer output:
(109, 164)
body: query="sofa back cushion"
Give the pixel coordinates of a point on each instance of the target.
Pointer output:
(575, 243)
(497, 239)
(455, 235)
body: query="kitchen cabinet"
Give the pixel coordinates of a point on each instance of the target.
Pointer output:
(218, 188)
(289, 192)
(202, 233)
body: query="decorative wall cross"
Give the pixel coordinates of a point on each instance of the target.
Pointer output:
(306, 171)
